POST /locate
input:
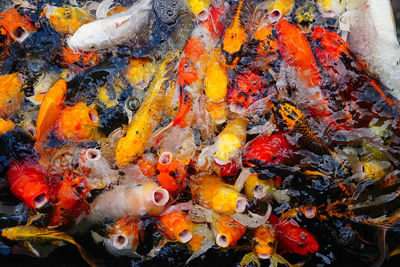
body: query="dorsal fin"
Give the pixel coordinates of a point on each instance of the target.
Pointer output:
(103, 9)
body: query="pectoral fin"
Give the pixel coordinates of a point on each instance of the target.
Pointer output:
(33, 250)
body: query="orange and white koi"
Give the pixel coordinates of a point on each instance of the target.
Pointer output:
(124, 233)
(172, 173)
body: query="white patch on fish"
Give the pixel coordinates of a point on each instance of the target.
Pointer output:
(113, 30)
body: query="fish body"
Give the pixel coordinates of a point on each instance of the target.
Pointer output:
(216, 77)
(292, 237)
(373, 36)
(69, 199)
(211, 192)
(113, 30)
(296, 52)
(43, 235)
(266, 50)
(227, 231)
(273, 149)
(28, 182)
(82, 127)
(146, 119)
(17, 26)
(176, 226)
(49, 112)
(77, 58)
(10, 94)
(230, 140)
(235, 35)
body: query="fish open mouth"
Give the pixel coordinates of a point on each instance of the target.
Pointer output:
(275, 16)
(165, 158)
(160, 196)
(120, 241)
(93, 154)
(185, 236)
(241, 204)
(222, 240)
(20, 34)
(40, 201)
(259, 191)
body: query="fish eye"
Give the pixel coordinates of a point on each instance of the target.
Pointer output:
(132, 103)
(92, 46)
(303, 237)
(271, 244)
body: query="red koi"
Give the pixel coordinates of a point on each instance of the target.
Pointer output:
(28, 183)
(265, 149)
(249, 87)
(69, 198)
(292, 238)
(172, 173)
(176, 226)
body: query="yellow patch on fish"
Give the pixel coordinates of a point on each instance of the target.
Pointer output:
(216, 77)
(198, 5)
(230, 140)
(219, 112)
(235, 35)
(68, 19)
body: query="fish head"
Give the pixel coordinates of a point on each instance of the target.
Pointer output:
(264, 242)
(86, 38)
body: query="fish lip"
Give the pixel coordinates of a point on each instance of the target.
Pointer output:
(222, 240)
(93, 154)
(40, 200)
(120, 241)
(241, 204)
(160, 196)
(275, 16)
(185, 236)
(264, 256)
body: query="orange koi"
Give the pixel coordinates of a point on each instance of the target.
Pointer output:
(10, 94)
(296, 51)
(176, 226)
(28, 183)
(172, 174)
(264, 242)
(266, 51)
(227, 231)
(49, 112)
(235, 35)
(82, 127)
(69, 198)
(67, 19)
(124, 233)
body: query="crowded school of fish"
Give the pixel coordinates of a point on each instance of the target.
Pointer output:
(250, 125)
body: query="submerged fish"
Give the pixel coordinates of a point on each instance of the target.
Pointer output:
(106, 32)
(43, 235)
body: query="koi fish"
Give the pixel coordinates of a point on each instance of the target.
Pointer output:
(44, 235)
(66, 19)
(227, 231)
(176, 226)
(292, 238)
(277, 9)
(332, 51)
(193, 63)
(28, 183)
(211, 192)
(172, 174)
(10, 94)
(106, 32)
(230, 140)
(264, 244)
(273, 149)
(248, 88)
(82, 127)
(131, 199)
(235, 35)
(331, 8)
(216, 77)
(124, 233)
(147, 117)
(49, 112)
(219, 112)
(376, 41)
(69, 199)
(5, 126)
(17, 26)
